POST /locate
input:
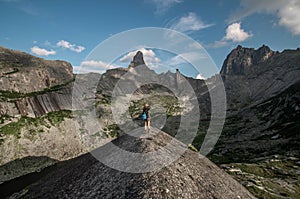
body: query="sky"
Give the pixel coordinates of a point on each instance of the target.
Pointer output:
(71, 29)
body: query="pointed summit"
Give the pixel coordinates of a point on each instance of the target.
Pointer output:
(137, 60)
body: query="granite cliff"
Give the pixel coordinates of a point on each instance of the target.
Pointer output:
(35, 108)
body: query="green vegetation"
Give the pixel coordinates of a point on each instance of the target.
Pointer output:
(14, 128)
(16, 95)
(273, 178)
(103, 99)
(23, 166)
(112, 130)
(55, 118)
(192, 148)
(169, 102)
(4, 117)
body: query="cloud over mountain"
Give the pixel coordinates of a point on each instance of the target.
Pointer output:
(41, 51)
(68, 45)
(149, 56)
(235, 33)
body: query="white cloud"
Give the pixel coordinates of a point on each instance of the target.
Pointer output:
(42, 52)
(97, 64)
(200, 76)
(68, 45)
(150, 57)
(94, 66)
(189, 23)
(163, 5)
(288, 12)
(290, 17)
(235, 33)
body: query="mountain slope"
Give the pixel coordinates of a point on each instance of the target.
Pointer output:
(190, 176)
(260, 141)
(35, 108)
(263, 103)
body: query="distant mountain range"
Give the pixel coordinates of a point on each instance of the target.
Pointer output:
(261, 132)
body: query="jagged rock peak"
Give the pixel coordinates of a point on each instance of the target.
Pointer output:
(138, 59)
(240, 59)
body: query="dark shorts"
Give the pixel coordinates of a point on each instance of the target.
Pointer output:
(147, 119)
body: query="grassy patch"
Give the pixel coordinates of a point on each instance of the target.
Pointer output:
(113, 130)
(55, 118)
(168, 102)
(271, 178)
(14, 128)
(3, 118)
(16, 95)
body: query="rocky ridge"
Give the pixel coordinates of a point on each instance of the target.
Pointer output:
(190, 176)
(240, 60)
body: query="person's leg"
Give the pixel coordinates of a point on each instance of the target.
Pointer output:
(146, 125)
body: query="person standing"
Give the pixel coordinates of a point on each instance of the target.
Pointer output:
(147, 119)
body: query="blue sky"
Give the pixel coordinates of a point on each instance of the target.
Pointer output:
(70, 29)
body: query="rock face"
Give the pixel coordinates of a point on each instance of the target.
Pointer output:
(137, 60)
(35, 108)
(23, 73)
(263, 114)
(240, 60)
(31, 86)
(190, 176)
(266, 75)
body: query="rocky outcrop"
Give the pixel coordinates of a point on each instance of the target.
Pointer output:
(240, 60)
(137, 60)
(57, 140)
(35, 108)
(266, 75)
(24, 73)
(40, 104)
(190, 176)
(31, 86)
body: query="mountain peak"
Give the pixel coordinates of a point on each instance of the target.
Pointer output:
(138, 59)
(240, 60)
